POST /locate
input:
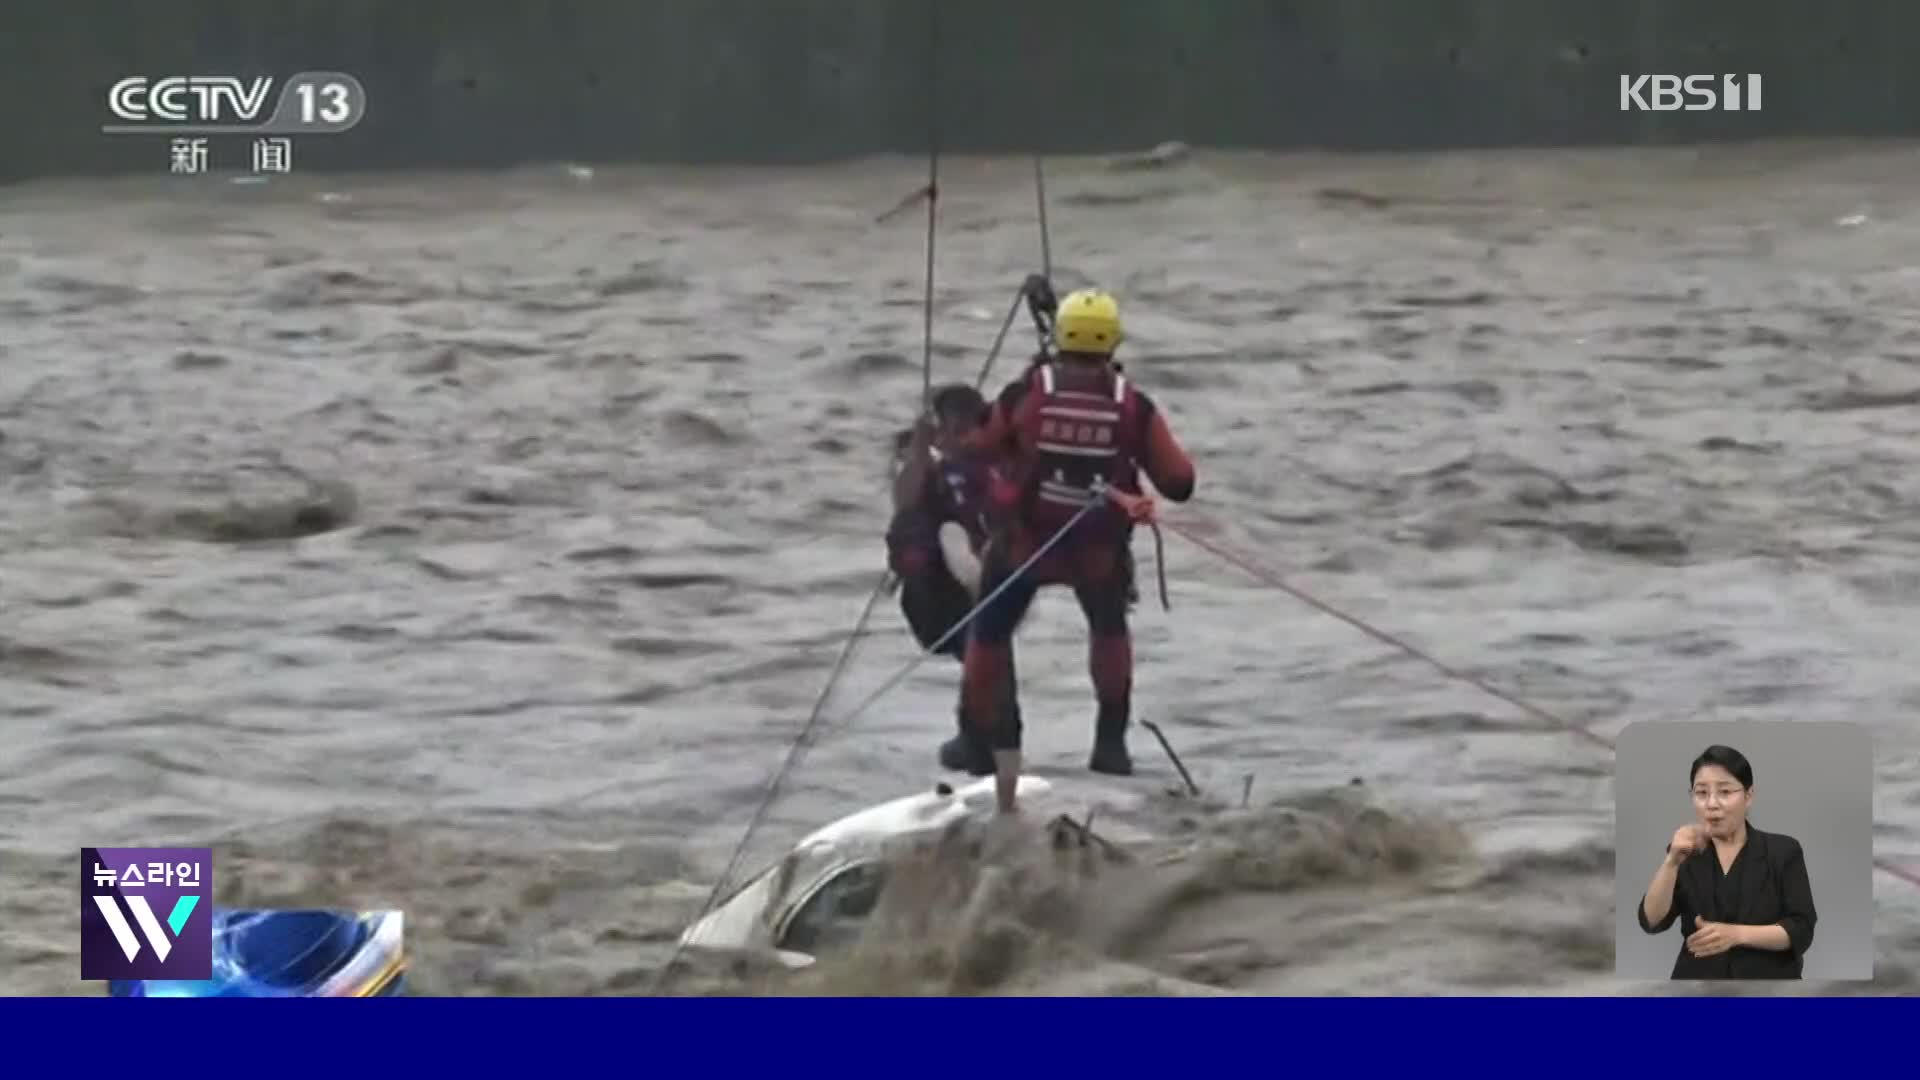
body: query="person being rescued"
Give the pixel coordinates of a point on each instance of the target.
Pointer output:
(1074, 432)
(934, 542)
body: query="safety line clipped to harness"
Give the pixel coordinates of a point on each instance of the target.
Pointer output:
(1036, 292)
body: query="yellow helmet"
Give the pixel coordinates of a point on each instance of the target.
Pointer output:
(1088, 321)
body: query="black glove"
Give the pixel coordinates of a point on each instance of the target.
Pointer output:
(1042, 305)
(1040, 298)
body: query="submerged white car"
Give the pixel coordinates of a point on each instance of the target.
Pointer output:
(824, 889)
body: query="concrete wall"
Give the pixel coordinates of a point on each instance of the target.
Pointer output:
(492, 82)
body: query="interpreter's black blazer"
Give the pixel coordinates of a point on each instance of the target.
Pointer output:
(1767, 885)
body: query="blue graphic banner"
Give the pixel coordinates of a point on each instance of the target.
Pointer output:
(1213, 1037)
(293, 953)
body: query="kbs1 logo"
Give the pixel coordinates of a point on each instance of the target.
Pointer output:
(310, 103)
(146, 913)
(1693, 93)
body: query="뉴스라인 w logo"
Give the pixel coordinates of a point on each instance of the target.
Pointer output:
(146, 913)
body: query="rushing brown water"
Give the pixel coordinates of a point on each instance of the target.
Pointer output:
(477, 545)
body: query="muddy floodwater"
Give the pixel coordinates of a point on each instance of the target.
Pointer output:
(477, 545)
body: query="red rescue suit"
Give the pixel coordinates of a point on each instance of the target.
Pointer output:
(1067, 427)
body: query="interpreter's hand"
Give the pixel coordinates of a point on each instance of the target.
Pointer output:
(1687, 839)
(1713, 938)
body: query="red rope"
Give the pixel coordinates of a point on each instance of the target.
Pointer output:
(1191, 530)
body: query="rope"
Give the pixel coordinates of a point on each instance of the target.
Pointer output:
(1268, 577)
(881, 587)
(772, 794)
(1035, 290)
(1160, 565)
(805, 739)
(1272, 578)
(1099, 497)
(1000, 339)
(933, 191)
(1040, 199)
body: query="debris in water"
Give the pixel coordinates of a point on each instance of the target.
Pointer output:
(911, 200)
(1167, 153)
(1352, 197)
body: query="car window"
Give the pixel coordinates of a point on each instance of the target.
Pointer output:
(836, 911)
